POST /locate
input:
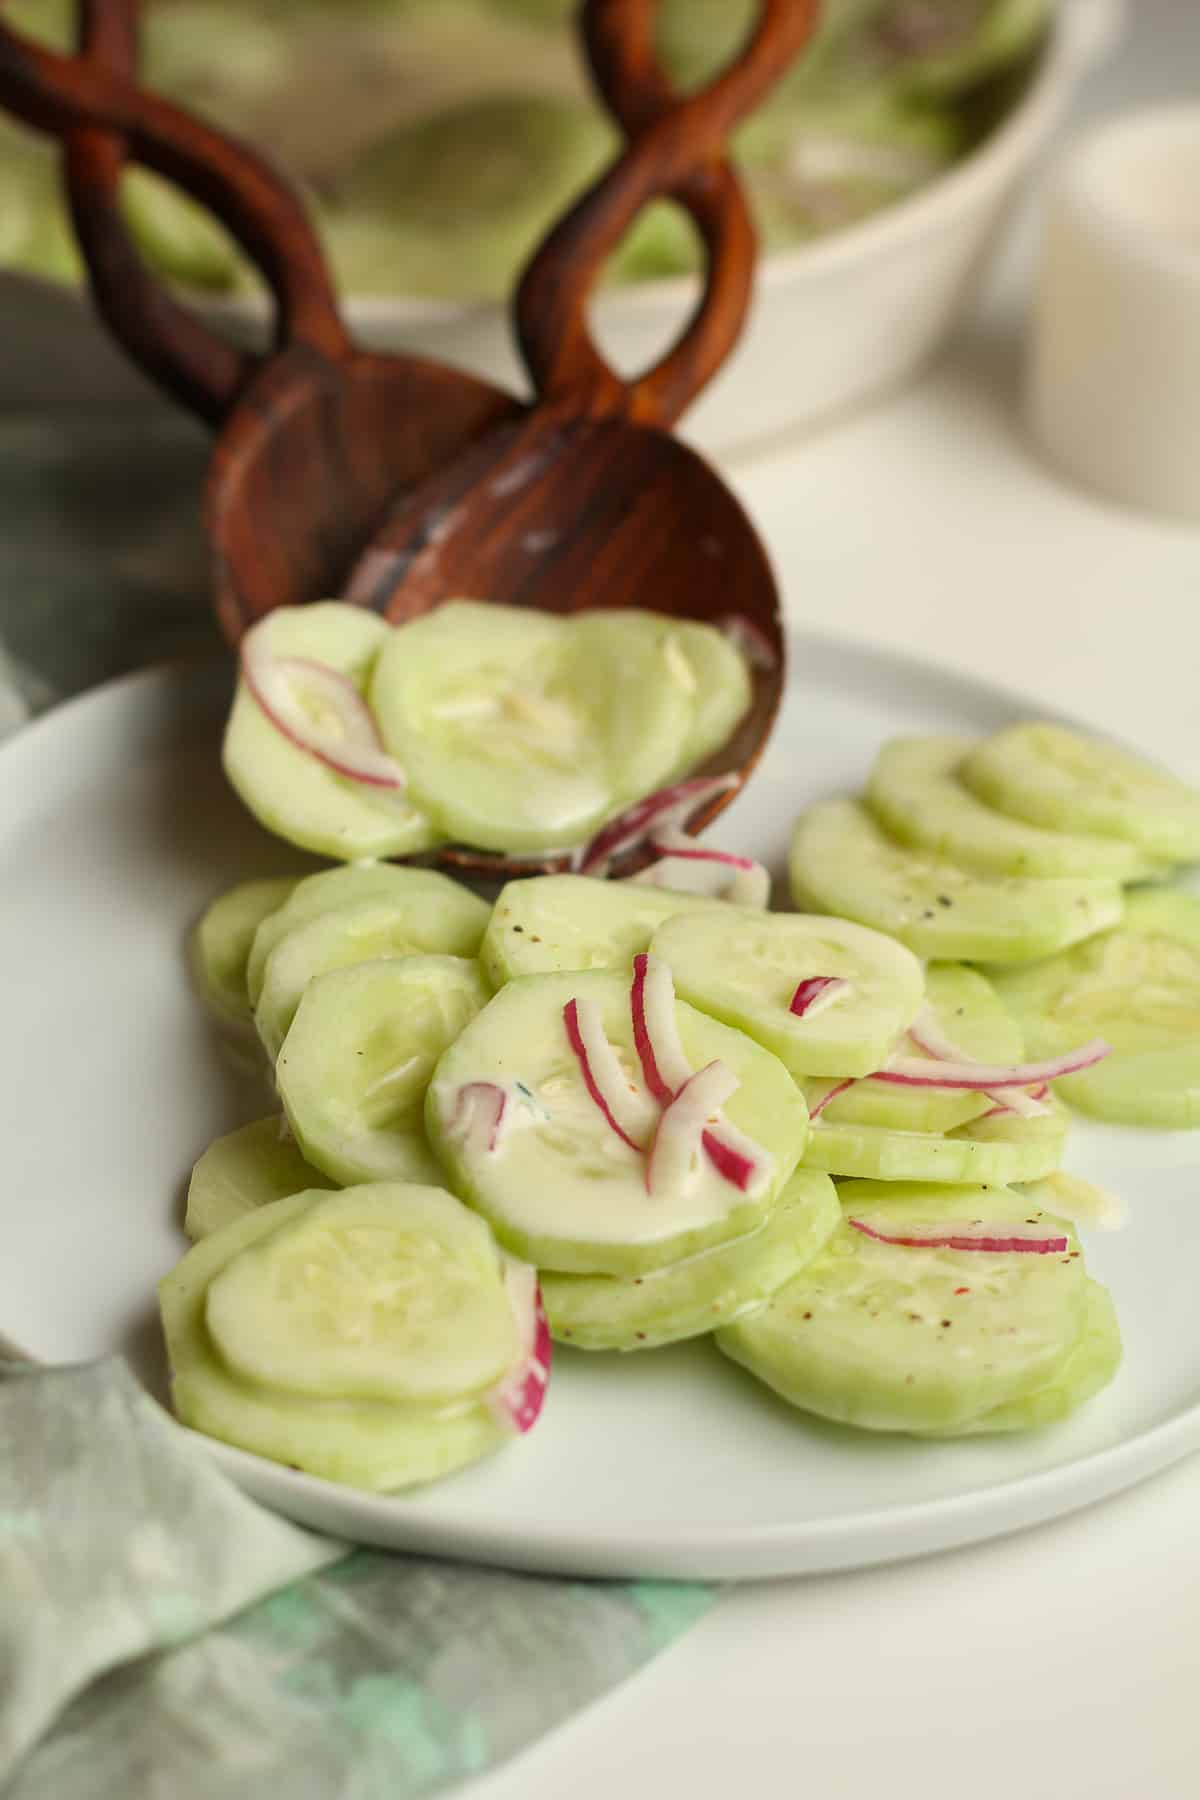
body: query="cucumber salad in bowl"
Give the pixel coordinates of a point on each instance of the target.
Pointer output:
(596, 1114)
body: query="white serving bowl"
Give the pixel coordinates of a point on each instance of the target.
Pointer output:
(834, 322)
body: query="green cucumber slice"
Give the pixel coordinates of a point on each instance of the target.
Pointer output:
(1004, 1150)
(220, 943)
(367, 1444)
(842, 862)
(381, 1292)
(561, 1189)
(688, 1298)
(743, 967)
(1052, 776)
(358, 1056)
(398, 926)
(891, 1338)
(244, 1170)
(419, 890)
(547, 923)
(521, 732)
(971, 1015)
(1139, 988)
(291, 792)
(915, 794)
(704, 663)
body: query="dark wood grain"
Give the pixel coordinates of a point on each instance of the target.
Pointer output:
(396, 481)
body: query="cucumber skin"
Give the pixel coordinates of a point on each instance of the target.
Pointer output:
(978, 1152)
(861, 1376)
(242, 1171)
(691, 1298)
(219, 947)
(374, 1446)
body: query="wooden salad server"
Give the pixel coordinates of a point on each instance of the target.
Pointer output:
(395, 481)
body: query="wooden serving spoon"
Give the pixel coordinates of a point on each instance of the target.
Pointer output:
(398, 482)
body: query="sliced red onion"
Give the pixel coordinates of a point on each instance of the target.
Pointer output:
(749, 639)
(911, 1071)
(928, 1036)
(839, 1087)
(683, 1125)
(692, 868)
(480, 1113)
(966, 1234)
(660, 811)
(351, 746)
(816, 993)
(736, 1157)
(627, 1110)
(517, 1400)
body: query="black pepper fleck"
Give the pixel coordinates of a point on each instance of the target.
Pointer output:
(944, 900)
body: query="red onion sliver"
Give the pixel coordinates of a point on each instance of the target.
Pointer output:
(355, 749)
(749, 639)
(691, 868)
(814, 1112)
(480, 1110)
(911, 1071)
(683, 1124)
(735, 1157)
(815, 993)
(928, 1036)
(517, 1400)
(670, 806)
(966, 1234)
(624, 1109)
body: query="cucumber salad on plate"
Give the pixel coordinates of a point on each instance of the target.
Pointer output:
(616, 1114)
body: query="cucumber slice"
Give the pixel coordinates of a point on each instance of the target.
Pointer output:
(915, 794)
(688, 1298)
(1003, 1150)
(382, 1292)
(420, 890)
(1139, 988)
(1087, 1368)
(743, 967)
(364, 1443)
(704, 663)
(1049, 775)
(521, 732)
(244, 1170)
(842, 862)
(891, 1338)
(969, 1013)
(399, 926)
(220, 946)
(291, 792)
(561, 1189)
(357, 1059)
(547, 923)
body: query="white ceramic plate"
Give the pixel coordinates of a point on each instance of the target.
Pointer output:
(116, 827)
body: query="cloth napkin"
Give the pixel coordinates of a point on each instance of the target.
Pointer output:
(162, 1637)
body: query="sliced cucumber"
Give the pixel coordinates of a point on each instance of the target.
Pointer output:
(705, 664)
(842, 862)
(893, 1338)
(521, 732)
(916, 795)
(369, 1444)
(1003, 1150)
(244, 1170)
(546, 923)
(220, 946)
(1052, 776)
(381, 1292)
(418, 890)
(689, 1298)
(361, 933)
(357, 1059)
(743, 967)
(561, 1188)
(290, 791)
(1087, 1368)
(1139, 988)
(972, 1016)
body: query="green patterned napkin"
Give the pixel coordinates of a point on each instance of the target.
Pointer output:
(160, 1634)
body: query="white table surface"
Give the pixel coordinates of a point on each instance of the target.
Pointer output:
(1060, 1662)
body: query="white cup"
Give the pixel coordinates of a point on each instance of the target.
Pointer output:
(1113, 377)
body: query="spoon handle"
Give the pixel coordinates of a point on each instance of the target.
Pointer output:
(104, 119)
(676, 150)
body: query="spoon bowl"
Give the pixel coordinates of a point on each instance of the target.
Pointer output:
(399, 483)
